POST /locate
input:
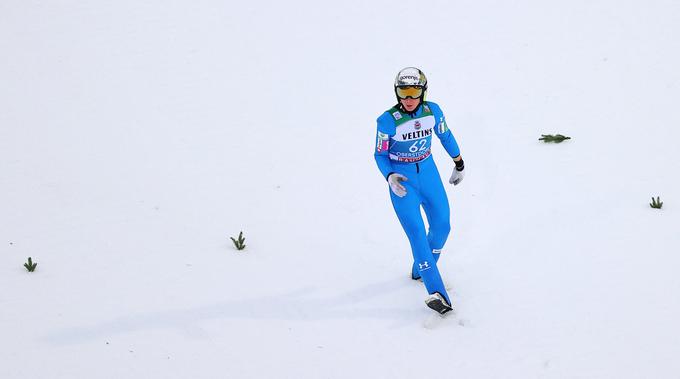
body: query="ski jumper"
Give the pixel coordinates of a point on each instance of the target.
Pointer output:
(403, 145)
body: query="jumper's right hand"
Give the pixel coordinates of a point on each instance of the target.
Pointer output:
(395, 184)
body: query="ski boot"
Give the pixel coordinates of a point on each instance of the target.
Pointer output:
(437, 302)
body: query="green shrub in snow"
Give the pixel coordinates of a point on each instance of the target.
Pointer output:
(240, 242)
(30, 266)
(656, 203)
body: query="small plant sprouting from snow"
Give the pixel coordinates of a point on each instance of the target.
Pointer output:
(656, 203)
(240, 242)
(30, 265)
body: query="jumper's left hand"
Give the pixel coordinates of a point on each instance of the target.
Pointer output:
(457, 176)
(458, 173)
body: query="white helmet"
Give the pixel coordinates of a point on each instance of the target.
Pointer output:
(410, 76)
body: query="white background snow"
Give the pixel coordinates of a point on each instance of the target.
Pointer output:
(136, 137)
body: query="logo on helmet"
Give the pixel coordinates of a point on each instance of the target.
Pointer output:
(408, 77)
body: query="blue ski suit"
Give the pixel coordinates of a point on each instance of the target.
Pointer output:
(403, 145)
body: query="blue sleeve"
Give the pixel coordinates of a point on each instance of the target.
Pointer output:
(443, 132)
(383, 137)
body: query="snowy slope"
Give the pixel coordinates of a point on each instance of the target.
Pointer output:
(136, 137)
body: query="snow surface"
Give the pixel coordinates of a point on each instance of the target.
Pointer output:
(136, 137)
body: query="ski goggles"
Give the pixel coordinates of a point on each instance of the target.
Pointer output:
(413, 92)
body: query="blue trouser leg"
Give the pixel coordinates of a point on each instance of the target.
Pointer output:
(436, 206)
(407, 209)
